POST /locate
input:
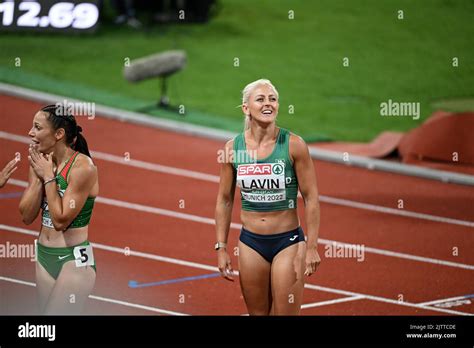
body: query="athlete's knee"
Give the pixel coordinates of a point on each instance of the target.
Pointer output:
(259, 312)
(258, 306)
(287, 307)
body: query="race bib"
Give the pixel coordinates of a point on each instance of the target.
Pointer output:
(46, 217)
(262, 182)
(84, 256)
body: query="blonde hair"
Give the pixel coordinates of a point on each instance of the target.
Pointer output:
(246, 95)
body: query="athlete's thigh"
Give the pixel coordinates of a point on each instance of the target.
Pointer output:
(287, 277)
(73, 286)
(44, 286)
(254, 274)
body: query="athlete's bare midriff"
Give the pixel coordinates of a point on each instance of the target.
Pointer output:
(49, 237)
(271, 222)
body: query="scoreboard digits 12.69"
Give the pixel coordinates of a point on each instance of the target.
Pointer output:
(49, 15)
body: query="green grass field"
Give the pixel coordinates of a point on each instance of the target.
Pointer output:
(408, 60)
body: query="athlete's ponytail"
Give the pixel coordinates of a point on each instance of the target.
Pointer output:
(59, 118)
(81, 144)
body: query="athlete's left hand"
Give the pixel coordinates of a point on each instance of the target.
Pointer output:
(42, 164)
(312, 260)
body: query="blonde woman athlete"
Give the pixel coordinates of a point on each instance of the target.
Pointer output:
(269, 164)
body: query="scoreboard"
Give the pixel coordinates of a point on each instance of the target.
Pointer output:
(49, 15)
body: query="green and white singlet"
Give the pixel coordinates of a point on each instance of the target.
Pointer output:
(267, 184)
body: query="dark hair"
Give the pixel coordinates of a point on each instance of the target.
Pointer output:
(59, 118)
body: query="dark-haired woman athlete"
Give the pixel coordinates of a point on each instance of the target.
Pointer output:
(63, 182)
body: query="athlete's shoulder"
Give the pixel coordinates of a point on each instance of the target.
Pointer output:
(228, 152)
(84, 165)
(234, 141)
(298, 146)
(296, 140)
(230, 144)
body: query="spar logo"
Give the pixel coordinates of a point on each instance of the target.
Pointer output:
(261, 169)
(278, 169)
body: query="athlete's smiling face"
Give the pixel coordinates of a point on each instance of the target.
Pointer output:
(42, 133)
(262, 104)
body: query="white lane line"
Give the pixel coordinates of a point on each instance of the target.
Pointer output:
(211, 268)
(135, 305)
(131, 162)
(330, 302)
(386, 300)
(442, 300)
(160, 211)
(145, 208)
(17, 281)
(122, 251)
(16, 182)
(155, 257)
(386, 210)
(155, 167)
(209, 221)
(105, 299)
(153, 210)
(397, 254)
(215, 179)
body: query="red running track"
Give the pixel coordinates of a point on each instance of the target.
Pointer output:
(165, 216)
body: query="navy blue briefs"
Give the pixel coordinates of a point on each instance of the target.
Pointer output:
(270, 245)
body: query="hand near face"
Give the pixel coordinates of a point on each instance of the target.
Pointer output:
(42, 164)
(8, 171)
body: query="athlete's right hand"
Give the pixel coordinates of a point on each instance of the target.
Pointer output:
(224, 264)
(8, 171)
(31, 150)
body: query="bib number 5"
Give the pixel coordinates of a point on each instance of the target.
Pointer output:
(84, 256)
